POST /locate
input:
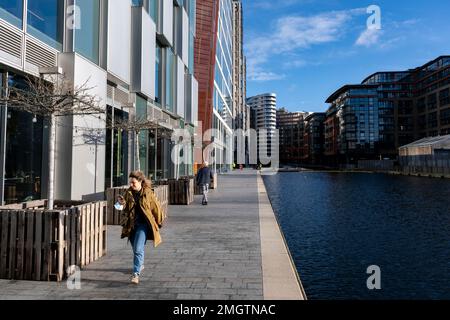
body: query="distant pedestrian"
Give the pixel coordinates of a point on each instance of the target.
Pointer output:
(141, 219)
(204, 178)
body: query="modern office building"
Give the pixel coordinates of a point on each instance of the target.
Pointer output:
(264, 121)
(355, 109)
(388, 110)
(138, 58)
(241, 111)
(313, 138)
(290, 126)
(214, 71)
(432, 98)
(395, 108)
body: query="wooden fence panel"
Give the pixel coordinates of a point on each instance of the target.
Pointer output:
(4, 244)
(30, 220)
(12, 244)
(42, 245)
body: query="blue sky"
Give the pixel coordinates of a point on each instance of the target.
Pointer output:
(304, 50)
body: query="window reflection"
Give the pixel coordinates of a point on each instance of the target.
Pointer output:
(45, 21)
(87, 38)
(12, 11)
(116, 151)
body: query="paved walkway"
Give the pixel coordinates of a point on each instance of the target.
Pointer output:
(212, 252)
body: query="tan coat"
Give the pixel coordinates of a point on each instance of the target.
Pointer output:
(152, 209)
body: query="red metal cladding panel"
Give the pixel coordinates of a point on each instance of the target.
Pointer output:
(205, 58)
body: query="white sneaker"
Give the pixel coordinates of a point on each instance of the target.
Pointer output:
(135, 278)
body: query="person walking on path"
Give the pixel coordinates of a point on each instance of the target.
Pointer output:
(141, 219)
(204, 178)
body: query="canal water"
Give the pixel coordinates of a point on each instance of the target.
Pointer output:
(338, 224)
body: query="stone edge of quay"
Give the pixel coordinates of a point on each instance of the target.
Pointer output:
(276, 285)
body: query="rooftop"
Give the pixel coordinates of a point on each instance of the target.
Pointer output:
(440, 142)
(345, 88)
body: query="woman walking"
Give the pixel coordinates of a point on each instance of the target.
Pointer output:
(141, 219)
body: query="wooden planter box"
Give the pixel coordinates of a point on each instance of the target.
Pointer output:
(161, 193)
(213, 185)
(181, 191)
(37, 244)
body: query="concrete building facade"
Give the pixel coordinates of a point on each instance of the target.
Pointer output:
(140, 67)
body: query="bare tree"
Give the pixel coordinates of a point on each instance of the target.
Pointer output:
(133, 125)
(51, 98)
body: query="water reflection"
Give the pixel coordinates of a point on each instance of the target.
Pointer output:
(337, 225)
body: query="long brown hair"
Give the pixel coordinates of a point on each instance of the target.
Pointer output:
(140, 176)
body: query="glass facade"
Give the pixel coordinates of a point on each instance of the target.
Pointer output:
(46, 21)
(170, 80)
(191, 12)
(24, 148)
(116, 160)
(153, 10)
(141, 113)
(87, 38)
(222, 95)
(158, 74)
(12, 11)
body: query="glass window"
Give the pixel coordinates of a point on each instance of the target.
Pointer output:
(116, 157)
(23, 157)
(137, 3)
(12, 11)
(158, 75)
(141, 112)
(191, 52)
(24, 143)
(153, 10)
(170, 79)
(45, 21)
(87, 37)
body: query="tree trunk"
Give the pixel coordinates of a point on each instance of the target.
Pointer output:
(51, 163)
(138, 167)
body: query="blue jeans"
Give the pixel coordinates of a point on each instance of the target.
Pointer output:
(138, 240)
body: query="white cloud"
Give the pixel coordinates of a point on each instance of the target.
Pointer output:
(369, 37)
(295, 63)
(265, 76)
(296, 32)
(270, 4)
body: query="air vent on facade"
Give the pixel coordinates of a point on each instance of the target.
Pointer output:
(110, 92)
(151, 115)
(157, 114)
(121, 96)
(10, 42)
(40, 56)
(166, 118)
